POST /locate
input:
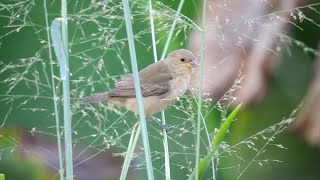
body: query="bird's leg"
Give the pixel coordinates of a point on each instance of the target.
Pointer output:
(162, 126)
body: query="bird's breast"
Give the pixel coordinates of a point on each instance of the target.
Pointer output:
(179, 86)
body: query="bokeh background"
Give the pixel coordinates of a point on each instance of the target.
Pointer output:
(99, 55)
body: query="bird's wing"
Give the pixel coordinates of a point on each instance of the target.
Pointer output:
(154, 81)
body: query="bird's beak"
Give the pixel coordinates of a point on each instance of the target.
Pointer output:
(193, 63)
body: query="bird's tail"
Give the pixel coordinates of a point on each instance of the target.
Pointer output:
(96, 98)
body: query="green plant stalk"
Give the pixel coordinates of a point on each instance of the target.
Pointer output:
(163, 117)
(166, 149)
(204, 163)
(165, 137)
(203, 120)
(55, 104)
(210, 148)
(142, 118)
(153, 36)
(131, 147)
(166, 47)
(165, 50)
(66, 95)
(200, 88)
(209, 143)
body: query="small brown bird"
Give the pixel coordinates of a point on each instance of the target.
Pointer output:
(162, 83)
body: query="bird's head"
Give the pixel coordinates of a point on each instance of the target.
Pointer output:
(182, 59)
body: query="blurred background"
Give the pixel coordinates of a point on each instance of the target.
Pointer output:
(262, 54)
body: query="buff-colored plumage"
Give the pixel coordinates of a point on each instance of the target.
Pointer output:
(162, 83)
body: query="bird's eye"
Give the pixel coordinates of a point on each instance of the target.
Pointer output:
(182, 59)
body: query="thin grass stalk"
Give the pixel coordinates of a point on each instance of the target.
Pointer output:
(131, 147)
(142, 118)
(166, 149)
(55, 104)
(153, 36)
(209, 142)
(66, 95)
(163, 117)
(210, 149)
(210, 146)
(165, 136)
(201, 72)
(166, 47)
(204, 163)
(200, 88)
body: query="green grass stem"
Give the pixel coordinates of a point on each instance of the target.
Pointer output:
(165, 137)
(166, 47)
(66, 95)
(204, 163)
(142, 118)
(202, 53)
(131, 147)
(55, 104)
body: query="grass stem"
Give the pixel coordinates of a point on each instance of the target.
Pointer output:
(202, 50)
(55, 104)
(142, 118)
(165, 137)
(166, 47)
(66, 94)
(131, 146)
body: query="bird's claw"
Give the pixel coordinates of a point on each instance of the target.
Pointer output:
(162, 126)
(166, 128)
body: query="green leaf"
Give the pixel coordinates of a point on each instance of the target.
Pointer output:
(204, 163)
(224, 127)
(58, 47)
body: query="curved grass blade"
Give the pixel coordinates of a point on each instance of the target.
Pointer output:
(58, 46)
(204, 163)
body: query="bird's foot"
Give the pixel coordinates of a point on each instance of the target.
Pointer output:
(162, 126)
(166, 128)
